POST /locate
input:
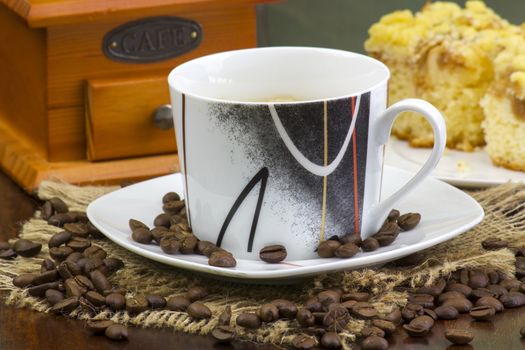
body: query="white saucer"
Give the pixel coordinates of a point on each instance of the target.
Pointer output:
(446, 212)
(465, 169)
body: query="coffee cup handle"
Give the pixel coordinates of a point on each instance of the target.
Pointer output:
(379, 212)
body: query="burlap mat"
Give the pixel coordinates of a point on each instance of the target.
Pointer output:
(504, 218)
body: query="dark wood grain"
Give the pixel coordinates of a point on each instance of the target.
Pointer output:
(23, 329)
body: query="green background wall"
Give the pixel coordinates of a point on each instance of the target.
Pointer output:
(343, 24)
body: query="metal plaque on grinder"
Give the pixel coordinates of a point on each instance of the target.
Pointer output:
(152, 39)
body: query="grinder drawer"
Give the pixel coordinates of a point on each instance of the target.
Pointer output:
(120, 117)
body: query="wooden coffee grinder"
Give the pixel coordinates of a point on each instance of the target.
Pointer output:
(83, 89)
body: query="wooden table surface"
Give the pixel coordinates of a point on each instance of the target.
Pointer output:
(26, 329)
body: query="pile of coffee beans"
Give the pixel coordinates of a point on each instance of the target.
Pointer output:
(77, 275)
(173, 234)
(349, 245)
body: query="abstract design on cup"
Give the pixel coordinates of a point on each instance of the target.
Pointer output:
(324, 205)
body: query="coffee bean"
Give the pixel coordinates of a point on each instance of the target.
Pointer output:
(54, 296)
(162, 220)
(135, 224)
(431, 313)
(142, 235)
(351, 238)
(222, 259)
(116, 290)
(304, 342)
(47, 211)
(100, 281)
(59, 206)
(26, 248)
(60, 219)
(423, 321)
(48, 276)
(494, 243)
(196, 293)
(95, 252)
(24, 280)
(449, 295)
(447, 312)
(47, 265)
(224, 334)
(373, 330)
(188, 245)
(58, 239)
(522, 332)
(268, 312)
(459, 336)
(394, 316)
(314, 305)
(482, 313)
(75, 257)
(136, 304)
(77, 229)
(461, 304)
(330, 340)
(112, 265)
(198, 310)
(68, 269)
(206, 248)
(225, 316)
(170, 197)
(389, 228)
(74, 288)
(416, 331)
(98, 326)
(273, 254)
(347, 250)
(408, 221)
(369, 244)
(305, 318)
(336, 318)
(393, 215)
(65, 306)
(60, 253)
(411, 311)
(364, 310)
(178, 304)
(493, 277)
(248, 320)
(491, 302)
(173, 207)
(459, 287)
(40, 290)
(357, 296)
(387, 326)
(385, 239)
(435, 290)
(481, 292)
(287, 309)
(328, 297)
(91, 264)
(95, 298)
(116, 301)
(327, 249)
(374, 342)
(425, 300)
(156, 301)
(512, 299)
(510, 283)
(478, 279)
(8, 254)
(319, 317)
(158, 233)
(116, 332)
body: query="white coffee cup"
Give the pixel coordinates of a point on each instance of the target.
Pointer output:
(284, 145)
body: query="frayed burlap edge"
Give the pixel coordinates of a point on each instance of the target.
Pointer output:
(504, 218)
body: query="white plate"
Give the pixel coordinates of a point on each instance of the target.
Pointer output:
(465, 169)
(448, 213)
